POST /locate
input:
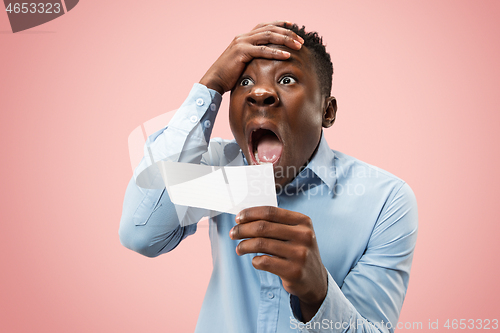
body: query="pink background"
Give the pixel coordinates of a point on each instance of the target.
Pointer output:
(417, 83)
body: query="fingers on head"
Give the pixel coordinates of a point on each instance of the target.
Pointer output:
(276, 35)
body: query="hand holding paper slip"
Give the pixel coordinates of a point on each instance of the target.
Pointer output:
(227, 189)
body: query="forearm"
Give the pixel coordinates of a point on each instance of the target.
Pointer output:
(186, 137)
(151, 224)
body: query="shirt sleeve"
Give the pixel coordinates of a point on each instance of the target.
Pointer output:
(372, 293)
(150, 222)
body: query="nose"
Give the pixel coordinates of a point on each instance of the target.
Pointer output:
(262, 96)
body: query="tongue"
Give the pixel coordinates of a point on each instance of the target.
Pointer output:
(269, 148)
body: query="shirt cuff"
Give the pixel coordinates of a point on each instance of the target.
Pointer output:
(202, 104)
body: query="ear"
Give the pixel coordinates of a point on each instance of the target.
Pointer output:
(330, 111)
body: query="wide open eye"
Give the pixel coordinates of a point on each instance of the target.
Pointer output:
(287, 79)
(246, 82)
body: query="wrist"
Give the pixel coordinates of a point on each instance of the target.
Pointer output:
(310, 304)
(309, 309)
(212, 84)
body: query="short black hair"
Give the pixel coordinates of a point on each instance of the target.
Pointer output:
(321, 59)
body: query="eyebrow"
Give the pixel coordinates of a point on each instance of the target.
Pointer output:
(296, 61)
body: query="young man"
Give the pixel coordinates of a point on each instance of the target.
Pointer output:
(335, 255)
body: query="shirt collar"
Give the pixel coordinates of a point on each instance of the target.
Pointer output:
(322, 163)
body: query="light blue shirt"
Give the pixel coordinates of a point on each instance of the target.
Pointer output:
(365, 220)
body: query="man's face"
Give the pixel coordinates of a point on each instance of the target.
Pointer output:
(276, 113)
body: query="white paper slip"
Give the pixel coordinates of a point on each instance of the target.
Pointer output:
(224, 189)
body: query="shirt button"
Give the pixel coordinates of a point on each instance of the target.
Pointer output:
(207, 123)
(270, 295)
(193, 119)
(200, 102)
(213, 107)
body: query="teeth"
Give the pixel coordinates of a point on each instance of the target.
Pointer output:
(269, 159)
(256, 155)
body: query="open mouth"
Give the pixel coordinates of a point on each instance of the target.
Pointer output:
(265, 145)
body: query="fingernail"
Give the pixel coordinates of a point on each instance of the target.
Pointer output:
(231, 233)
(301, 40)
(239, 217)
(286, 53)
(297, 43)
